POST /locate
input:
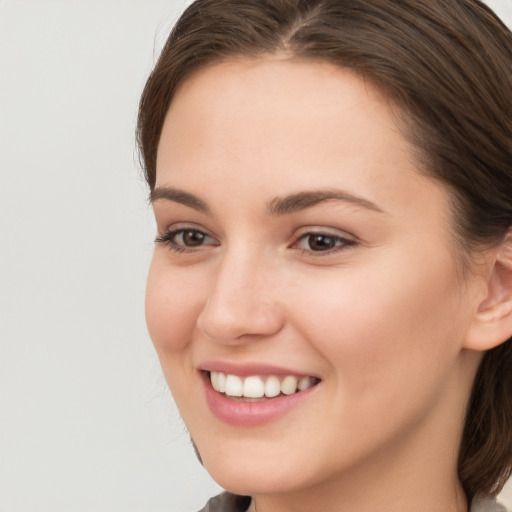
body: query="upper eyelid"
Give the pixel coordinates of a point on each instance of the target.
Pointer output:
(172, 226)
(327, 234)
(183, 226)
(319, 230)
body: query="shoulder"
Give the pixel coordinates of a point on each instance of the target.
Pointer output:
(487, 504)
(227, 502)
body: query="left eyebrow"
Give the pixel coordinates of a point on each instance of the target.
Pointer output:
(303, 200)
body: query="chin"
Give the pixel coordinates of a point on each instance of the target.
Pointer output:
(249, 482)
(243, 472)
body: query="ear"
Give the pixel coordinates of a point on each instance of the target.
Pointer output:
(492, 322)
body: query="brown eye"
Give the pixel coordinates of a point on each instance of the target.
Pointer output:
(321, 242)
(190, 237)
(181, 240)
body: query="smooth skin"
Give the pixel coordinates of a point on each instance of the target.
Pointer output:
(364, 291)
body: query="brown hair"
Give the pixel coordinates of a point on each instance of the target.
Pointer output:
(448, 66)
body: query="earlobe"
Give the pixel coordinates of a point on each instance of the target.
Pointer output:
(492, 322)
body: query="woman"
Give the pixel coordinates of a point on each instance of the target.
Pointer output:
(330, 295)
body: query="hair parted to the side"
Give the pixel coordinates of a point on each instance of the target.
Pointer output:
(447, 65)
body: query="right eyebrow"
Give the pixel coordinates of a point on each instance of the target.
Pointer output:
(179, 196)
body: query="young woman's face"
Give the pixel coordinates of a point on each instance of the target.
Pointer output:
(302, 254)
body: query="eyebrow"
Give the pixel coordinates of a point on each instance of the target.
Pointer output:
(276, 207)
(308, 199)
(179, 196)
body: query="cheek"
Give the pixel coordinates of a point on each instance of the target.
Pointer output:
(172, 307)
(383, 329)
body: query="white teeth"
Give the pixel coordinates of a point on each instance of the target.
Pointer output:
(234, 386)
(258, 387)
(304, 383)
(289, 385)
(222, 382)
(218, 380)
(272, 387)
(214, 379)
(254, 387)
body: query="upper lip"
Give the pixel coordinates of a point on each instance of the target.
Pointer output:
(247, 369)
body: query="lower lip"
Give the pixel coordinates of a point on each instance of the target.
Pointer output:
(250, 414)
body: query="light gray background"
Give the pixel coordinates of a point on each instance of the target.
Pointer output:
(86, 421)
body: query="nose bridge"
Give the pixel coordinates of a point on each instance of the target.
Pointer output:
(241, 301)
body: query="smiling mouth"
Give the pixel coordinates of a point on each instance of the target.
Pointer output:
(258, 388)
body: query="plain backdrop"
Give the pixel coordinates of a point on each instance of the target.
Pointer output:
(86, 421)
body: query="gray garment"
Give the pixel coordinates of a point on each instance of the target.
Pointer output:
(227, 502)
(485, 504)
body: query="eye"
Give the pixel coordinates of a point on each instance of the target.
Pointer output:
(189, 237)
(322, 242)
(184, 239)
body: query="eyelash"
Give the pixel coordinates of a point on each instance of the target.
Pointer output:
(168, 239)
(340, 242)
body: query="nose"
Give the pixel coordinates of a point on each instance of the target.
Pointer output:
(243, 302)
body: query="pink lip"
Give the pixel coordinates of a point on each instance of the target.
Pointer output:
(251, 414)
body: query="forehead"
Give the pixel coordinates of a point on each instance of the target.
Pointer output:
(301, 88)
(280, 120)
(268, 105)
(262, 79)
